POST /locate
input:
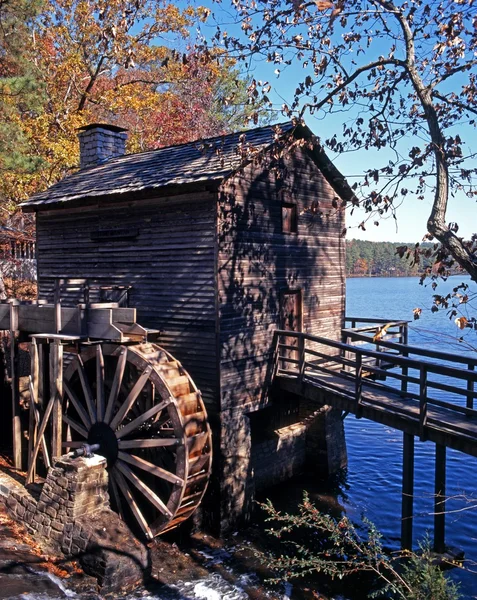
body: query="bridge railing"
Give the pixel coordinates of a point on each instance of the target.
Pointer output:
(410, 372)
(385, 329)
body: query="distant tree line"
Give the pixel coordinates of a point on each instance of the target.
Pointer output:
(378, 259)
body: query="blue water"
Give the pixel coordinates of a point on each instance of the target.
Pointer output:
(373, 481)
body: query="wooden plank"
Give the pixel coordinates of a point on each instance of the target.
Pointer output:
(144, 489)
(76, 426)
(56, 390)
(407, 514)
(123, 486)
(117, 497)
(33, 384)
(40, 434)
(100, 406)
(144, 465)
(131, 398)
(15, 380)
(148, 443)
(118, 377)
(87, 393)
(135, 423)
(83, 415)
(440, 499)
(44, 446)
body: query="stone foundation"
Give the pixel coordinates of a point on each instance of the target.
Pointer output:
(270, 446)
(280, 458)
(72, 515)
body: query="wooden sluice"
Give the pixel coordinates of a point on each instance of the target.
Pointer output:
(393, 385)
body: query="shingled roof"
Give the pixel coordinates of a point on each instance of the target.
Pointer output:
(211, 159)
(203, 160)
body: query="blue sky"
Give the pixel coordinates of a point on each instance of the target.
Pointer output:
(410, 225)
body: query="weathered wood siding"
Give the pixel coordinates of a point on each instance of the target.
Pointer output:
(257, 262)
(170, 265)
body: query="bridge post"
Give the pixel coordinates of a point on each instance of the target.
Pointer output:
(407, 491)
(439, 499)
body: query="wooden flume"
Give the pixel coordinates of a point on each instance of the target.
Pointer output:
(118, 390)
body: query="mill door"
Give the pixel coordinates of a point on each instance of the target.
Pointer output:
(291, 319)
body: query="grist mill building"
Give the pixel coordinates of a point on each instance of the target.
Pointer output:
(217, 243)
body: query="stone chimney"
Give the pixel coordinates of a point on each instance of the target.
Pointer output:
(100, 142)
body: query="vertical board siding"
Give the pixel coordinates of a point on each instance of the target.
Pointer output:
(170, 264)
(257, 262)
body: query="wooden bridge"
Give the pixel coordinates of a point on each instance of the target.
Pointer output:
(389, 382)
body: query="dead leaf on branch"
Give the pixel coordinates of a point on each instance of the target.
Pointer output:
(323, 4)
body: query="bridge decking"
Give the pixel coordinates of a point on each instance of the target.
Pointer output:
(341, 375)
(443, 426)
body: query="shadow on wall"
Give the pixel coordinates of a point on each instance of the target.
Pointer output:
(260, 268)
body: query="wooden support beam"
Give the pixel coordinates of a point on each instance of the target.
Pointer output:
(56, 393)
(407, 491)
(422, 402)
(15, 379)
(358, 391)
(439, 499)
(470, 388)
(32, 428)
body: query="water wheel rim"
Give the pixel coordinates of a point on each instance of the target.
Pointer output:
(124, 484)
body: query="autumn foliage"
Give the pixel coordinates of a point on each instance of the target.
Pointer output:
(127, 62)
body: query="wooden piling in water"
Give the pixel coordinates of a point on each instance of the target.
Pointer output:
(407, 491)
(439, 499)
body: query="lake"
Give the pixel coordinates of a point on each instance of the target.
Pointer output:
(373, 480)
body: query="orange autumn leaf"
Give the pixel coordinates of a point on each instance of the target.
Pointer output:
(461, 322)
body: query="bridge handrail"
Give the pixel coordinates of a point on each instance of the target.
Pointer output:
(407, 349)
(344, 359)
(403, 361)
(373, 320)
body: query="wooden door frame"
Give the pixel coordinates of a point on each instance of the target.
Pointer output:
(299, 293)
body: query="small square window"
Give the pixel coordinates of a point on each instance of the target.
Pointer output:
(289, 218)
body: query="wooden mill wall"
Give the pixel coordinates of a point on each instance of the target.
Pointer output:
(257, 262)
(170, 265)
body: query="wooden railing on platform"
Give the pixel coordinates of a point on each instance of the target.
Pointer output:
(342, 367)
(386, 329)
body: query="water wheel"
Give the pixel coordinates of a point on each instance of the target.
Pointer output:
(145, 412)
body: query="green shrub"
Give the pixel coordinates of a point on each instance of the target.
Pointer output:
(314, 542)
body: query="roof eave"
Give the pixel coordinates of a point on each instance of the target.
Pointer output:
(137, 194)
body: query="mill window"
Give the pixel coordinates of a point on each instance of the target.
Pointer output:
(289, 217)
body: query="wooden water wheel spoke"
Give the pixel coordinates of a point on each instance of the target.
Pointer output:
(76, 426)
(123, 486)
(136, 461)
(113, 486)
(99, 383)
(127, 404)
(83, 415)
(136, 423)
(152, 443)
(142, 487)
(88, 395)
(117, 380)
(72, 444)
(142, 409)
